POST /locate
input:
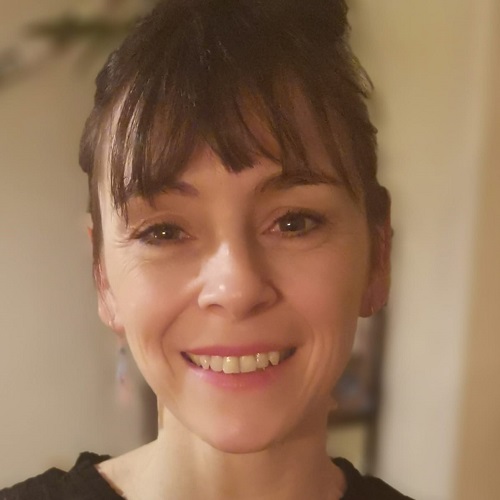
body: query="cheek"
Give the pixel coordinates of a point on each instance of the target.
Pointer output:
(150, 298)
(326, 294)
(326, 288)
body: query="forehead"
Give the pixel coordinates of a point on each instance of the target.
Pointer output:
(264, 177)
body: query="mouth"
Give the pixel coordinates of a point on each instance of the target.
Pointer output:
(239, 364)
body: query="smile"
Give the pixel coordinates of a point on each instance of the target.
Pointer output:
(239, 364)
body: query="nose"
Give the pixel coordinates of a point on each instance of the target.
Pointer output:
(234, 282)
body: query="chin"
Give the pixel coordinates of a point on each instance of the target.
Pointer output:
(240, 444)
(242, 437)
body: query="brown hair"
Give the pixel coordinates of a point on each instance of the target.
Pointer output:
(196, 72)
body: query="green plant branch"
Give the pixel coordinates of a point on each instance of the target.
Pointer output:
(69, 30)
(49, 39)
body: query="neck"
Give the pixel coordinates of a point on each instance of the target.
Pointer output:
(178, 461)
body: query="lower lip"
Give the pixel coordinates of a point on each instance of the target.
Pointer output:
(241, 381)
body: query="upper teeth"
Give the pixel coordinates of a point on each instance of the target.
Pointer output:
(238, 364)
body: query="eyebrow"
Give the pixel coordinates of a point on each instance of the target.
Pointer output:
(283, 181)
(182, 188)
(278, 182)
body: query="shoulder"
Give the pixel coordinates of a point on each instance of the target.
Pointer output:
(361, 487)
(44, 487)
(82, 482)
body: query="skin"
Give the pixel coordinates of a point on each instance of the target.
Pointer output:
(232, 261)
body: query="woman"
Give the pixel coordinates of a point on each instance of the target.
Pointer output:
(239, 231)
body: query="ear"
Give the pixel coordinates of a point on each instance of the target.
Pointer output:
(88, 225)
(106, 303)
(377, 290)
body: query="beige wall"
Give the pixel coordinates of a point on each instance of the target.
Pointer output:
(56, 361)
(479, 443)
(429, 61)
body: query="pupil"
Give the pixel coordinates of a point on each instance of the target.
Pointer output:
(166, 233)
(295, 224)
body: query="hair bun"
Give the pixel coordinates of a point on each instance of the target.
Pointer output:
(328, 17)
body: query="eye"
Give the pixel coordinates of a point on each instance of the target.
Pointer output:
(158, 234)
(296, 224)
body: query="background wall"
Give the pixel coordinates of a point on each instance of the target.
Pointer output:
(56, 361)
(479, 438)
(431, 63)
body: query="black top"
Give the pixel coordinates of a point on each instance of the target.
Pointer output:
(83, 482)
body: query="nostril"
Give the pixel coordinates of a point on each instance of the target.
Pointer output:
(234, 282)
(239, 302)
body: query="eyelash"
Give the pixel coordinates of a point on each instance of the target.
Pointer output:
(155, 234)
(316, 221)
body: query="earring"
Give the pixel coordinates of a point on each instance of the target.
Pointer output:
(124, 391)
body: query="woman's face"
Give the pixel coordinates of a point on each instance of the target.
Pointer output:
(235, 272)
